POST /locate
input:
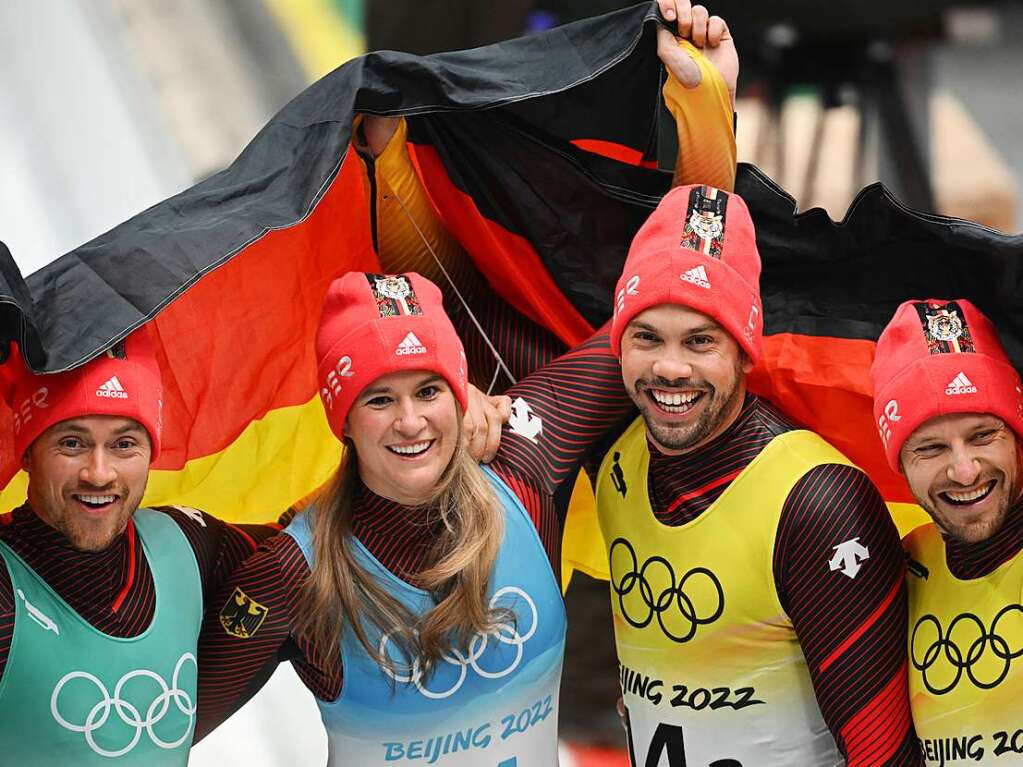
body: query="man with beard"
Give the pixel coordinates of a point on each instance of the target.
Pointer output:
(756, 576)
(950, 411)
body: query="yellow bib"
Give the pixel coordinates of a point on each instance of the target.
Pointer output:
(710, 665)
(966, 658)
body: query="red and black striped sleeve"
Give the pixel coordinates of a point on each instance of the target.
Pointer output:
(233, 668)
(849, 609)
(560, 414)
(6, 618)
(219, 547)
(524, 346)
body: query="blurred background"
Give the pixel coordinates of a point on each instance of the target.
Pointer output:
(108, 106)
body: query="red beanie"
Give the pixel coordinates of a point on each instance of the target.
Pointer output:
(125, 381)
(375, 324)
(697, 249)
(936, 358)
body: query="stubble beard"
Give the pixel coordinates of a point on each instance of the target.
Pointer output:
(95, 534)
(95, 538)
(973, 532)
(720, 406)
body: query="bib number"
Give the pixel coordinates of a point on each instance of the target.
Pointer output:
(668, 740)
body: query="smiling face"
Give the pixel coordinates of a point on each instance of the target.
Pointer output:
(685, 373)
(963, 470)
(87, 476)
(405, 427)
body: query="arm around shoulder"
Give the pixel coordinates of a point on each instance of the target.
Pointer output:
(839, 569)
(245, 628)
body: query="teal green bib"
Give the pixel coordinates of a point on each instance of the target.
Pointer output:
(71, 695)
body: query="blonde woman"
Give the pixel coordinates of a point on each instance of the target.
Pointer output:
(406, 598)
(419, 596)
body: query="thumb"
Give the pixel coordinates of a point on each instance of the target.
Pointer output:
(677, 60)
(502, 403)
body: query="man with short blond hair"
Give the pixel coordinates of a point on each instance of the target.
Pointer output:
(949, 410)
(101, 601)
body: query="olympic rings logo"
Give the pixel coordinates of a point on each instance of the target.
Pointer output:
(127, 712)
(985, 644)
(505, 633)
(638, 580)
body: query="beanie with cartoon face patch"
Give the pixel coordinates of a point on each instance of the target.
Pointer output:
(697, 249)
(124, 381)
(939, 357)
(375, 324)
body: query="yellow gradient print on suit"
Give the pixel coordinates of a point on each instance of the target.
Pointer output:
(965, 657)
(710, 665)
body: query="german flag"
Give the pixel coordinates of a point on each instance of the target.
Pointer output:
(539, 155)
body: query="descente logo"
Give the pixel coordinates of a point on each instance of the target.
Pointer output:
(113, 389)
(410, 345)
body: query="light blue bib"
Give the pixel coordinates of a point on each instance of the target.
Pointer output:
(495, 705)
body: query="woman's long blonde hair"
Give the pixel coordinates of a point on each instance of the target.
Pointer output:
(341, 596)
